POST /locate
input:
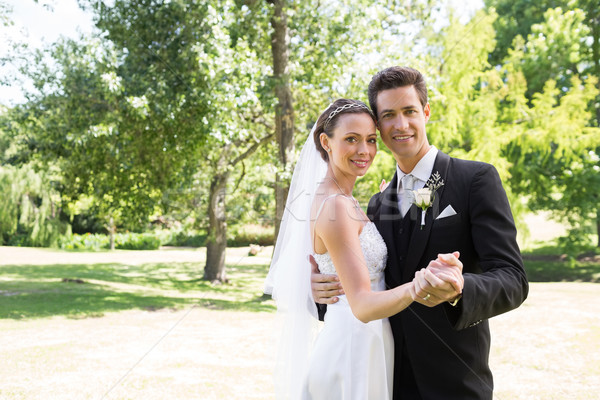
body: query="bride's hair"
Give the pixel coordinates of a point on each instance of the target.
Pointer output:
(329, 119)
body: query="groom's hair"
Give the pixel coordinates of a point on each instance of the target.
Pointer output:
(395, 77)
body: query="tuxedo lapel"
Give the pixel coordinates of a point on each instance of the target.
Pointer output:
(420, 237)
(441, 165)
(388, 213)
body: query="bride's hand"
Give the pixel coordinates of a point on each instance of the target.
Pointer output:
(441, 281)
(324, 288)
(448, 268)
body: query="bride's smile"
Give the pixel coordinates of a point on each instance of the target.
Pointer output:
(353, 145)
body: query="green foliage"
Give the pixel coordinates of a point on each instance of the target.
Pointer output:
(251, 234)
(133, 241)
(29, 208)
(463, 95)
(174, 99)
(555, 160)
(556, 49)
(185, 238)
(543, 148)
(557, 39)
(88, 241)
(517, 18)
(124, 241)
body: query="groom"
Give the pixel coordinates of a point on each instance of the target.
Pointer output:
(442, 341)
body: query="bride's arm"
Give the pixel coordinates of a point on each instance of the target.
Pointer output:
(339, 231)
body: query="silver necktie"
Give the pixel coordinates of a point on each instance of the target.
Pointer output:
(408, 182)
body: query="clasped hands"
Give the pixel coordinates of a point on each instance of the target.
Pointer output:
(440, 281)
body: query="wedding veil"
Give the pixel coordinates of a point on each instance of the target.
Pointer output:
(288, 279)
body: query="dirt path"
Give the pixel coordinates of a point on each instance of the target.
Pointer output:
(37, 256)
(547, 349)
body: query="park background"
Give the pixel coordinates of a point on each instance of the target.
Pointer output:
(143, 156)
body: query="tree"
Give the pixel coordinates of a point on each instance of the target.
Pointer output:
(556, 160)
(30, 211)
(482, 112)
(516, 18)
(183, 52)
(555, 57)
(309, 58)
(568, 29)
(284, 110)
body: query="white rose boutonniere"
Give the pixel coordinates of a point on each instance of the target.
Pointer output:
(424, 197)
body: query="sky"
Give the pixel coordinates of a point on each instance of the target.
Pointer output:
(38, 24)
(42, 23)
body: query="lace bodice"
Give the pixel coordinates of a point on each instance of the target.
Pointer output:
(373, 248)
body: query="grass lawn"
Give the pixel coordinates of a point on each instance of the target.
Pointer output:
(92, 289)
(142, 325)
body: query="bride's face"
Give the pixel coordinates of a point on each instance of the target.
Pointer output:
(353, 145)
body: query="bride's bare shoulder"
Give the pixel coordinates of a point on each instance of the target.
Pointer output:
(336, 210)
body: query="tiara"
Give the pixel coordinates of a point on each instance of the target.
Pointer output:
(343, 108)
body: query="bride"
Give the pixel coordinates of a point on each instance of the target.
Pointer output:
(352, 357)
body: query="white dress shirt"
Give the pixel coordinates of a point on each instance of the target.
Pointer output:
(421, 172)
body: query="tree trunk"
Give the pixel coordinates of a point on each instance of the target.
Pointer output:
(598, 225)
(216, 242)
(284, 111)
(594, 20)
(112, 229)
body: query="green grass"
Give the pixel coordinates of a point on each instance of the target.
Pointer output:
(562, 271)
(37, 291)
(549, 264)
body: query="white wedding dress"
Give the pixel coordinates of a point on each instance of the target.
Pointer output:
(352, 360)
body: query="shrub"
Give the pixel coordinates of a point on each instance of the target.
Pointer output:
(251, 234)
(184, 239)
(87, 241)
(136, 241)
(95, 242)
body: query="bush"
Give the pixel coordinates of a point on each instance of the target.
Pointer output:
(18, 239)
(238, 236)
(136, 241)
(251, 234)
(184, 239)
(87, 241)
(95, 242)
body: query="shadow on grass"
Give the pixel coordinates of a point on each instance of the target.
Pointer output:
(37, 291)
(553, 268)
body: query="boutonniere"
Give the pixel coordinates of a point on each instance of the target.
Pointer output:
(424, 197)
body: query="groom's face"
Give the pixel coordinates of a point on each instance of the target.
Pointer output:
(401, 121)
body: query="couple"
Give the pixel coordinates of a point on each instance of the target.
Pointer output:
(436, 342)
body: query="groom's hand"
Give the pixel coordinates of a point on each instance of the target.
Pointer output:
(325, 288)
(441, 281)
(448, 267)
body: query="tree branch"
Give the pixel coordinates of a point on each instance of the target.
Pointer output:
(252, 149)
(241, 176)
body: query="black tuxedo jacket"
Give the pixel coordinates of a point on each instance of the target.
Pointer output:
(448, 347)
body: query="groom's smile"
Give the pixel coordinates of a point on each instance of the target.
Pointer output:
(401, 122)
(402, 137)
